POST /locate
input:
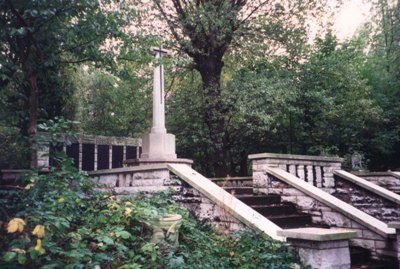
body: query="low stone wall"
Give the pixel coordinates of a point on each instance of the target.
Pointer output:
(322, 215)
(157, 178)
(365, 200)
(316, 170)
(387, 180)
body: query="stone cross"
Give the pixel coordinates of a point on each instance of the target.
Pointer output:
(158, 92)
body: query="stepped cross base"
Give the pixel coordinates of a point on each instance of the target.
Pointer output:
(157, 148)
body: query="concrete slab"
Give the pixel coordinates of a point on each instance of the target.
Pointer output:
(318, 234)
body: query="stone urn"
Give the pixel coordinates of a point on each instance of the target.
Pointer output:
(166, 229)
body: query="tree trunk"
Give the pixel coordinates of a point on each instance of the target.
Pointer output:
(210, 68)
(33, 111)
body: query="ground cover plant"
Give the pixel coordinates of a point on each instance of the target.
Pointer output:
(60, 220)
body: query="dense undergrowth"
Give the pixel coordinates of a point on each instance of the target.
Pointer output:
(59, 220)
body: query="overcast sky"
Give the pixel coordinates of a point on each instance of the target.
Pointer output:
(351, 16)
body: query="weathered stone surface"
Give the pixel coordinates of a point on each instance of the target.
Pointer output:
(367, 201)
(331, 238)
(109, 180)
(305, 202)
(336, 219)
(324, 256)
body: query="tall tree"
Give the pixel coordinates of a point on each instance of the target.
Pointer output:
(38, 38)
(207, 30)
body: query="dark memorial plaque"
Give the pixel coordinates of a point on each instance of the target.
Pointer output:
(103, 157)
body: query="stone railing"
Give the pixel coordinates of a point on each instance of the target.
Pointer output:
(389, 180)
(315, 170)
(327, 210)
(92, 153)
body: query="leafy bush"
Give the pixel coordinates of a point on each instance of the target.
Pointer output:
(14, 149)
(61, 222)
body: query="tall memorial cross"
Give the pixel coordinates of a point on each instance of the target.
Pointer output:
(158, 91)
(158, 144)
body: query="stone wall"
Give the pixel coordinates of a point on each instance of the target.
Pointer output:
(384, 179)
(206, 210)
(367, 201)
(322, 215)
(316, 170)
(152, 179)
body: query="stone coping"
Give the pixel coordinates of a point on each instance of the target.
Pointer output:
(333, 202)
(129, 169)
(294, 157)
(365, 184)
(394, 224)
(147, 161)
(226, 201)
(101, 139)
(370, 174)
(396, 174)
(318, 234)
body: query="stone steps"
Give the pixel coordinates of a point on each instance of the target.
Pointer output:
(252, 199)
(286, 216)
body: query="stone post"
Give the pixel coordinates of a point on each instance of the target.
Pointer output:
(396, 225)
(321, 248)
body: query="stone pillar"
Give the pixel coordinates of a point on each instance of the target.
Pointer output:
(321, 248)
(396, 225)
(310, 175)
(301, 172)
(43, 155)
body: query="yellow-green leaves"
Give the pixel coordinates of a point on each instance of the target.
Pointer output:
(16, 224)
(39, 231)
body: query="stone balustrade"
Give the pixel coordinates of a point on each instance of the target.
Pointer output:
(315, 170)
(92, 153)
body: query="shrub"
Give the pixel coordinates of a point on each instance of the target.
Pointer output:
(61, 219)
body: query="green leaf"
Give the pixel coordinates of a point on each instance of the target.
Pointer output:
(9, 256)
(123, 234)
(51, 266)
(21, 258)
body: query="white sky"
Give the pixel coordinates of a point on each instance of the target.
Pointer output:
(351, 16)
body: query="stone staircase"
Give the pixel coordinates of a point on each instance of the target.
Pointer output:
(283, 214)
(287, 216)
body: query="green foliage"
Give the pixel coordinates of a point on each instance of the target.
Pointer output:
(14, 151)
(84, 228)
(108, 105)
(337, 110)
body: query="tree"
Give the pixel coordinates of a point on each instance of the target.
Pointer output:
(207, 30)
(113, 106)
(382, 71)
(39, 38)
(337, 111)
